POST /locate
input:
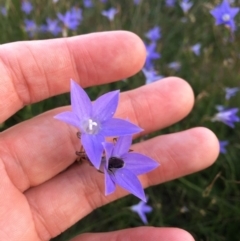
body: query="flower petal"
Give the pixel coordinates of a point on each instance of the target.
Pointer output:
(93, 147)
(80, 102)
(122, 146)
(127, 180)
(108, 147)
(69, 117)
(109, 184)
(138, 163)
(105, 106)
(119, 127)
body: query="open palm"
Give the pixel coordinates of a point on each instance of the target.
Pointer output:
(42, 190)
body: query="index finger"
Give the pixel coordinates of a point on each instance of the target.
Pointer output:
(35, 70)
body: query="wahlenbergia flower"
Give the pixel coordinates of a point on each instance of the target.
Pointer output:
(27, 7)
(196, 49)
(230, 92)
(110, 13)
(122, 167)
(88, 3)
(170, 3)
(154, 34)
(223, 145)
(52, 26)
(186, 5)
(141, 209)
(227, 116)
(3, 11)
(72, 18)
(151, 76)
(174, 65)
(151, 55)
(224, 14)
(30, 27)
(95, 120)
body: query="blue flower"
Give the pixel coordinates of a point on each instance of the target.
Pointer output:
(196, 49)
(52, 26)
(110, 13)
(151, 55)
(72, 18)
(141, 209)
(170, 3)
(3, 11)
(230, 92)
(87, 3)
(174, 65)
(224, 14)
(185, 5)
(223, 145)
(27, 7)
(122, 167)
(227, 116)
(30, 27)
(154, 34)
(95, 121)
(151, 76)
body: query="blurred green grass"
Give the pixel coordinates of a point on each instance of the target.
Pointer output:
(207, 204)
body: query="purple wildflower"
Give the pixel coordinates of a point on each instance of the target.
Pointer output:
(30, 27)
(122, 167)
(223, 145)
(141, 209)
(95, 121)
(27, 7)
(196, 49)
(87, 3)
(175, 66)
(230, 92)
(224, 14)
(52, 26)
(72, 18)
(154, 34)
(227, 116)
(3, 11)
(151, 76)
(136, 2)
(110, 13)
(170, 3)
(185, 5)
(151, 55)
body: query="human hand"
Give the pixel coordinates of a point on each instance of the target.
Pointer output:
(42, 191)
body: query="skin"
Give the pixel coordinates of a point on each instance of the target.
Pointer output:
(43, 191)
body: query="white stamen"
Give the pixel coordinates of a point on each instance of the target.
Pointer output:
(91, 123)
(226, 17)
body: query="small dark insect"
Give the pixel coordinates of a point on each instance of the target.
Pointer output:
(115, 162)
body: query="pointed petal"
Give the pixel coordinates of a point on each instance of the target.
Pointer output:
(234, 12)
(122, 146)
(105, 106)
(127, 180)
(69, 117)
(138, 163)
(119, 127)
(80, 102)
(143, 217)
(109, 184)
(93, 147)
(108, 147)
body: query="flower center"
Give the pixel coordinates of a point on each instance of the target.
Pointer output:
(115, 162)
(91, 127)
(226, 17)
